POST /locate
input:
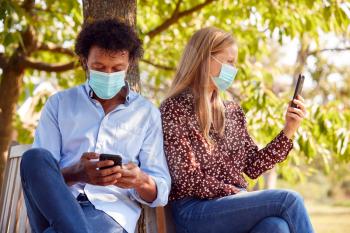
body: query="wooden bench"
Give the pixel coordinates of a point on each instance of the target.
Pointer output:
(13, 210)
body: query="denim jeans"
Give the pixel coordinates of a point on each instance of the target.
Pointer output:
(51, 207)
(268, 211)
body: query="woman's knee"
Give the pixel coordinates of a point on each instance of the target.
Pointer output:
(294, 196)
(271, 225)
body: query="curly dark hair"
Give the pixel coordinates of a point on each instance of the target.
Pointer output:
(110, 35)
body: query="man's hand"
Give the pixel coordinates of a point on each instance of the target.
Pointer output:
(133, 177)
(129, 176)
(88, 171)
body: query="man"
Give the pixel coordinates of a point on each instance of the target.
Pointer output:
(65, 186)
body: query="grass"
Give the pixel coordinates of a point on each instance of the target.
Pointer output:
(328, 218)
(328, 214)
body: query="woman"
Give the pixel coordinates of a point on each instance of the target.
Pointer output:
(208, 149)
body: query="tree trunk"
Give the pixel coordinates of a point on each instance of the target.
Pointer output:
(269, 181)
(11, 82)
(301, 58)
(123, 10)
(10, 89)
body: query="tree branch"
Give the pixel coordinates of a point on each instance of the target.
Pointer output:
(176, 16)
(3, 61)
(56, 49)
(49, 10)
(177, 7)
(330, 49)
(28, 5)
(49, 67)
(158, 65)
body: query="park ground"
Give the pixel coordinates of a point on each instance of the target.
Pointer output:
(329, 214)
(330, 217)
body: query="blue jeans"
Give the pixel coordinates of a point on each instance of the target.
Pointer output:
(268, 211)
(51, 206)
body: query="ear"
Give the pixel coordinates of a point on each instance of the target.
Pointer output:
(131, 64)
(83, 62)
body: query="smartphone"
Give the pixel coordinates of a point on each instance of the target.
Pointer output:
(117, 159)
(298, 89)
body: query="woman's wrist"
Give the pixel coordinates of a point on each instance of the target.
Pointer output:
(288, 132)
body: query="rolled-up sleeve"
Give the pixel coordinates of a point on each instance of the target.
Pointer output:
(47, 134)
(260, 160)
(152, 161)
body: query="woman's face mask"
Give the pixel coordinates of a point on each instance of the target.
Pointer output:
(226, 77)
(106, 85)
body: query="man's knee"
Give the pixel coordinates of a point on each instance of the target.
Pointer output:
(34, 159)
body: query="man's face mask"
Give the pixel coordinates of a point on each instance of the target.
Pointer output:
(106, 85)
(226, 77)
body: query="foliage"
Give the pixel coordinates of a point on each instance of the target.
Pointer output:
(260, 28)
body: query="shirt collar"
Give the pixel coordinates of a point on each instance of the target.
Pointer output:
(89, 91)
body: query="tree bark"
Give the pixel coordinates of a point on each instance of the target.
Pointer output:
(11, 83)
(269, 182)
(270, 179)
(123, 10)
(10, 89)
(302, 56)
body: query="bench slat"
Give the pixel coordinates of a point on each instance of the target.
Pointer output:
(18, 150)
(22, 221)
(15, 196)
(8, 198)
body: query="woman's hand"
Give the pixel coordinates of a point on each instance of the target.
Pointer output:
(294, 117)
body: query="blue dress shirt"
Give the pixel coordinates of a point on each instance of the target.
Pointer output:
(72, 122)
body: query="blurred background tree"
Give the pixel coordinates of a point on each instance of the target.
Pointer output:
(277, 41)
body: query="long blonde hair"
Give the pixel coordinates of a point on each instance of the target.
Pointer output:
(193, 72)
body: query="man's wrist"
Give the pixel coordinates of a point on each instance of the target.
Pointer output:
(71, 174)
(68, 175)
(144, 181)
(146, 188)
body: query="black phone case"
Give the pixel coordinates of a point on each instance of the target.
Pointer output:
(117, 159)
(298, 89)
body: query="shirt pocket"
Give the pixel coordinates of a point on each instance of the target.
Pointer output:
(128, 141)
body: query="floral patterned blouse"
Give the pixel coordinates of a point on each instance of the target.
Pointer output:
(203, 171)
